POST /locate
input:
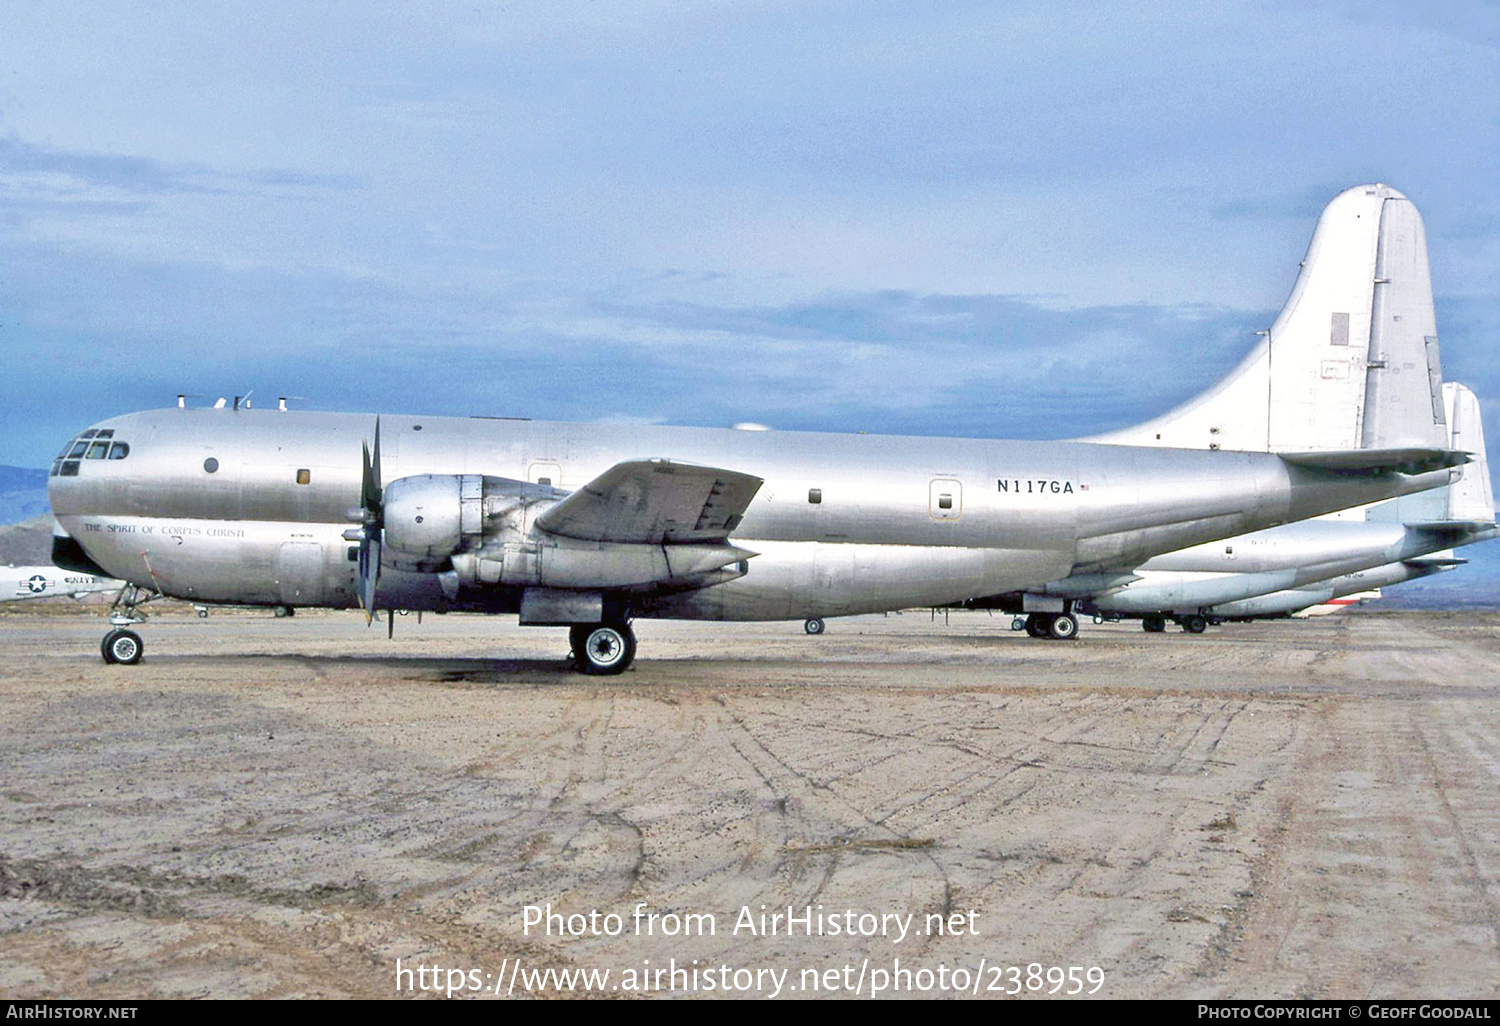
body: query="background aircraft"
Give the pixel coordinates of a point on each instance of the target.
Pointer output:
(1195, 586)
(1356, 341)
(18, 583)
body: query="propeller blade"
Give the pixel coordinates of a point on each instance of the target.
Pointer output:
(371, 499)
(369, 573)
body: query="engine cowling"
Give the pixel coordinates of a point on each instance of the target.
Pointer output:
(429, 518)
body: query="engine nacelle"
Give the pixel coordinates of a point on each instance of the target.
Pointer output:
(424, 515)
(429, 518)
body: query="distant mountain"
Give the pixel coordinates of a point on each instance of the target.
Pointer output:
(28, 543)
(23, 494)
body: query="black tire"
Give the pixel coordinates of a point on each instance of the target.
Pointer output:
(1064, 627)
(123, 647)
(1194, 624)
(1018, 623)
(602, 649)
(814, 625)
(1153, 624)
(1037, 626)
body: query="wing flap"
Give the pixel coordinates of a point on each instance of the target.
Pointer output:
(654, 502)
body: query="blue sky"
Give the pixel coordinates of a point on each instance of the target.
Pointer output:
(996, 220)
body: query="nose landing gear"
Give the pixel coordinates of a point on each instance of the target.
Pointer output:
(120, 645)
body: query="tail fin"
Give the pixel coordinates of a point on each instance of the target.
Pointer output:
(1470, 497)
(1352, 360)
(1468, 501)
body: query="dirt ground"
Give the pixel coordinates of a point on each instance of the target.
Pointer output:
(270, 807)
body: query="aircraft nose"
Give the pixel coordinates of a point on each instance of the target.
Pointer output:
(83, 463)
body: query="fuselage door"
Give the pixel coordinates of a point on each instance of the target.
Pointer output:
(945, 499)
(299, 573)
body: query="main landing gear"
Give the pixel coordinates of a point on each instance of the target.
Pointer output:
(1058, 626)
(120, 645)
(602, 649)
(814, 626)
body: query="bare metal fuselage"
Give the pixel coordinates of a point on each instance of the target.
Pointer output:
(897, 521)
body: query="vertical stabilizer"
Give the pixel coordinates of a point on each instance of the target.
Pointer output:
(1352, 360)
(1468, 499)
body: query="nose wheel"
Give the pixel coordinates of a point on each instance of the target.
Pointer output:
(122, 646)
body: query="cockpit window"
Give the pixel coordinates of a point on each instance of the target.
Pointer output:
(93, 444)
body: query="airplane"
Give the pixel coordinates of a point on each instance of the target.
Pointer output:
(1358, 332)
(19, 583)
(1199, 585)
(1337, 593)
(588, 526)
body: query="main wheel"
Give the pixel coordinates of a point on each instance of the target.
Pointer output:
(121, 646)
(1037, 625)
(601, 649)
(814, 626)
(1064, 627)
(1194, 624)
(1153, 624)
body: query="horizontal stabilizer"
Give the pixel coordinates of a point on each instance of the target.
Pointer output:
(1405, 461)
(1435, 561)
(1453, 526)
(654, 502)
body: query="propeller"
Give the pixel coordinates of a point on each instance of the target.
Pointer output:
(370, 515)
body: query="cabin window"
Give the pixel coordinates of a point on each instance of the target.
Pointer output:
(354, 553)
(97, 450)
(69, 469)
(211, 465)
(90, 433)
(79, 448)
(304, 476)
(815, 495)
(119, 450)
(106, 433)
(945, 501)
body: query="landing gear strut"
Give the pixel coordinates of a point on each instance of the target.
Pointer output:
(602, 649)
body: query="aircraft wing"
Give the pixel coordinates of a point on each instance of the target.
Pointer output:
(654, 502)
